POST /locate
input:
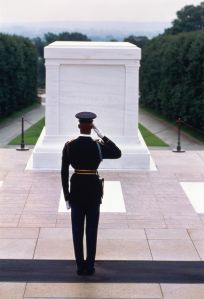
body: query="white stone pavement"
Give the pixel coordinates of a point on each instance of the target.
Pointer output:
(160, 224)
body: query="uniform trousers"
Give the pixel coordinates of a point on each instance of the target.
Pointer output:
(81, 214)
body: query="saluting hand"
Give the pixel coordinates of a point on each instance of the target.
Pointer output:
(101, 135)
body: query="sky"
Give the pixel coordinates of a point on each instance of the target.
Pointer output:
(91, 10)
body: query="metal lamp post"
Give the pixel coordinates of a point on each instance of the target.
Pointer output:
(178, 148)
(22, 145)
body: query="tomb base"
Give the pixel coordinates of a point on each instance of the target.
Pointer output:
(48, 152)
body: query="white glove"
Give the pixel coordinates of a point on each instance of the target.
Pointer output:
(68, 205)
(101, 135)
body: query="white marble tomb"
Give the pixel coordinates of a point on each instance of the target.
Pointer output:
(101, 77)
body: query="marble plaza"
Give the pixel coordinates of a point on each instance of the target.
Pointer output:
(159, 223)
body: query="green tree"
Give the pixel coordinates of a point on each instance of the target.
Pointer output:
(113, 40)
(64, 36)
(50, 38)
(189, 18)
(172, 75)
(74, 36)
(39, 44)
(139, 41)
(18, 80)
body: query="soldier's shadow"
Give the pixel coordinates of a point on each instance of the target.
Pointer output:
(107, 271)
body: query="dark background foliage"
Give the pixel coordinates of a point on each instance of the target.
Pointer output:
(18, 73)
(172, 76)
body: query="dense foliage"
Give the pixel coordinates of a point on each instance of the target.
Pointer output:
(18, 69)
(172, 76)
(189, 18)
(139, 41)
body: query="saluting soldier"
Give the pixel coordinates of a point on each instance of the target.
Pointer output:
(85, 192)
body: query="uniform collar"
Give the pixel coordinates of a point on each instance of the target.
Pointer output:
(85, 135)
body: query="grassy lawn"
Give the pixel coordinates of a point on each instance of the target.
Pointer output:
(150, 138)
(32, 134)
(191, 131)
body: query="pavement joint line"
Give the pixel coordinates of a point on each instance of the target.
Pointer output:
(194, 245)
(37, 239)
(24, 292)
(148, 243)
(18, 225)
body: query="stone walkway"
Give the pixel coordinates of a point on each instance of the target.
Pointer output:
(160, 224)
(168, 132)
(164, 130)
(11, 129)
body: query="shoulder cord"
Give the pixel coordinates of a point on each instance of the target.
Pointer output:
(100, 152)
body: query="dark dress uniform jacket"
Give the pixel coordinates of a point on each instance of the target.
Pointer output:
(83, 153)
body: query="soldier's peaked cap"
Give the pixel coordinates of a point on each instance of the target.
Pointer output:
(85, 117)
